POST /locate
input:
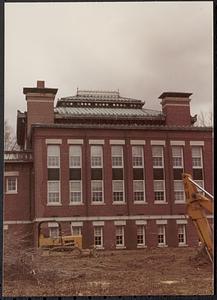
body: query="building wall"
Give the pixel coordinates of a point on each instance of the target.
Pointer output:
(18, 207)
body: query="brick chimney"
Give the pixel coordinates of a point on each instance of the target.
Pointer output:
(176, 107)
(40, 104)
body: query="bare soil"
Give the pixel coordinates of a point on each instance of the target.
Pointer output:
(157, 271)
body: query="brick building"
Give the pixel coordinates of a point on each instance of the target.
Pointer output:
(107, 167)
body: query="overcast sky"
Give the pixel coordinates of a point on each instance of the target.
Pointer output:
(142, 49)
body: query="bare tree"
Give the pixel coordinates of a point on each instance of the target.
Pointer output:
(9, 137)
(205, 119)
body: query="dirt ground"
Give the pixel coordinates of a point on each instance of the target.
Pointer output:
(165, 271)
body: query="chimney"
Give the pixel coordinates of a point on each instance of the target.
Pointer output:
(40, 104)
(176, 108)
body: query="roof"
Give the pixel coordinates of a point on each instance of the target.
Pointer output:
(103, 104)
(174, 94)
(106, 112)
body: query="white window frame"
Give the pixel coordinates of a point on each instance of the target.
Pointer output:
(122, 245)
(177, 191)
(138, 156)
(157, 156)
(143, 190)
(164, 191)
(102, 191)
(183, 226)
(161, 244)
(122, 191)
(201, 157)
(177, 156)
(95, 228)
(75, 191)
(57, 231)
(138, 226)
(71, 147)
(116, 156)
(50, 166)
(59, 191)
(79, 228)
(9, 191)
(96, 156)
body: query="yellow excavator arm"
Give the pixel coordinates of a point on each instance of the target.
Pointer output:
(197, 205)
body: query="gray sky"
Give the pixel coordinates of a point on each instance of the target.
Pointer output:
(142, 49)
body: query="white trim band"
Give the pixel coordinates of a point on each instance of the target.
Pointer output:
(117, 142)
(197, 143)
(181, 221)
(119, 223)
(53, 141)
(11, 173)
(141, 222)
(158, 142)
(98, 223)
(161, 222)
(53, 224)
(75, 141)
(96, 142)
(177, 143)
(17, 222)
(77, 224)
(137, 142)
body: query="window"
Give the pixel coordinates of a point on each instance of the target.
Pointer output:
(137, 153)
(138, 190)
(76, 230)
(117, 156)
(201, 184)
(98, 236)
(53, 192)
(159, 190)
(54, 232)
(119, 236)
(177, 156)
(118, 190)
(157, 154)
(97, 191)
(75, 192)
(161, 235)
(140, 235)
(179, 194)
(53, 156)
(181, 235)
(96, 156)
(11, 187)
(197, 157)
(75, 156)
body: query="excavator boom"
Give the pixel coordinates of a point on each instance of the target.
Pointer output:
(197, 205)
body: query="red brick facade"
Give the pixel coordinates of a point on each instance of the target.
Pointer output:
(43, 126)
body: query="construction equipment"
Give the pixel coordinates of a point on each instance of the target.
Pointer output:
(58, 242)
(197, 205)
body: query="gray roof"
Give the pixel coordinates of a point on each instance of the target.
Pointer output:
(104, 112)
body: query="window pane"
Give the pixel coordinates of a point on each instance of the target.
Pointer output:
(158, 185)
(157, 151)
(53, 150)
(196, 151)
(11, 184)
(117, 150)
(118, 185)
(75, 150)
(178, 186)
(177, 151)
(137, 151)
(96, 150)
(53, 186)
(75, 185)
